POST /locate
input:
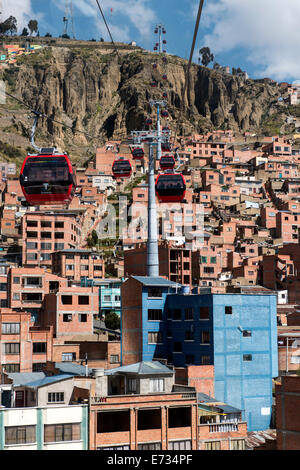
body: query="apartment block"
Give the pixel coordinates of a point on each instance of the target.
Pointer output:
(287, 413)
(46, 232)
(224, 330)
(76, 264)
(71, 311)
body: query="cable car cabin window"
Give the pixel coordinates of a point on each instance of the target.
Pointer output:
(166, 185)
(37, 170)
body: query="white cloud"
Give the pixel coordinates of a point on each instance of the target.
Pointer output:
(268, 31)
(21, 10)
(125, 14)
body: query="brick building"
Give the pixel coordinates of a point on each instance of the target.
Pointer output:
(46, 232)
(287, 413)
(76, 264)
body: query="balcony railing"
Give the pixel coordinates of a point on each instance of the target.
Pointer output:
(223, 427)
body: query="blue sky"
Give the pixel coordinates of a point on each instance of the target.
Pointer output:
(260, 36)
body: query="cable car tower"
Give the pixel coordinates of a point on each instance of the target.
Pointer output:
(69, 17)
(160, 29)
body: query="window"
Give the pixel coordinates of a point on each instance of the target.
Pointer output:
(228, 310)
(176, 314)
(31, 223)
(157, 385)
(68, 357)
(237, 444)
(31, 256)
(205, 360)
(82, 317)
(213, 259)
(31, 245)
(154, 337)
(39, 347)
(67, 317)
(213, 445)
(59, 235)
(189, 313)
(84, 267)
(16, 280)
(12, 348)
(10, 368)
(46, 246)
(38, 366)
(114, 358)
(59, 246)
(56, 397)
(151, 446)
(46, 223)
(189, 359)
(247, 333)
(131, 385)
(209, 270)
(204, 313)
(83, 300)
(59, 224)
(247, 357)
(154, 314)
(66, 299)
(179, 445)
(20, 435)
(107, 298)
(189, 335)
(155, 292)
(62, 432)
(205, 337)
(177, 347)
(10, 328)
(46, 234)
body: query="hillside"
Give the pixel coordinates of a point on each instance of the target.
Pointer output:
(107, 97)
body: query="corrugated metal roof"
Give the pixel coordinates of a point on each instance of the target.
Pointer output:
(142, 368)
(22, 378)
(48, 380)
(155, 281)
(71, 368)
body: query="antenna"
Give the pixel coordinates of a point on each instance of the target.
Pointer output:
(69, 17)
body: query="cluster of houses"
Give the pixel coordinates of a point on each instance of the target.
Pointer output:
(207, 353)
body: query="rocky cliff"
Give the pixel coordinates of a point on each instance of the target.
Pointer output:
(107, 96)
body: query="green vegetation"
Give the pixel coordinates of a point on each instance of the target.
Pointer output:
(9, 152)
(40, 58)
(271, 123)
(10, 76)
(112, 321)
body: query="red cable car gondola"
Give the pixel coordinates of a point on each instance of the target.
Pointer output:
(154, 66)
(148, 122)
(164, 77)
(137, 153)
(167, 162)
(121, 168)
(170, 187)
(165, 94)
(154, 84)
(164, 113)
(47, 178)
(155, 48)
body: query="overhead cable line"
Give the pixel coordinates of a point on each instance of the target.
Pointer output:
(187, 76)
(107, 27)
(39, 114)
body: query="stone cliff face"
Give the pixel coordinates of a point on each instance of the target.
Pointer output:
(108, 97)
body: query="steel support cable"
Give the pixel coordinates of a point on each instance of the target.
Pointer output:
(187, 76)
(100, 9)
(39, 114)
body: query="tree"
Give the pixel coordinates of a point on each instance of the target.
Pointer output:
(33, 26)
(206, 56)
(9, 25)
(25, 32)
(94, 237)
(65, 36)
(48, 35)
(112, 321)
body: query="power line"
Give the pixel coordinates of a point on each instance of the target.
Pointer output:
(187, 76)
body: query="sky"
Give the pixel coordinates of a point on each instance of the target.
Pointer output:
(259, 36)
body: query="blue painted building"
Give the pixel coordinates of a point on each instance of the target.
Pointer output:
(234, 332)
